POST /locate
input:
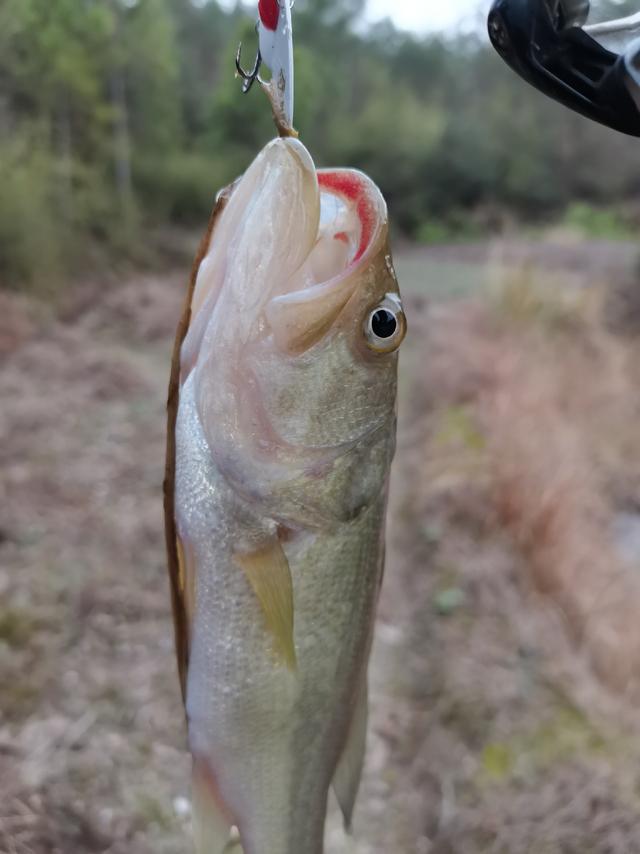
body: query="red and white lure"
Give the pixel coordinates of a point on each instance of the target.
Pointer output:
(275, 36)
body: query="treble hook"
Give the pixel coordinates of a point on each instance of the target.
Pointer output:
(275, 50)
(248, 77)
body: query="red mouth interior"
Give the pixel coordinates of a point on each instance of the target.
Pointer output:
(352, 187)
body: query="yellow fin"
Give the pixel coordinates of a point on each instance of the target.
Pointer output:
(187, 578)
(270, 577)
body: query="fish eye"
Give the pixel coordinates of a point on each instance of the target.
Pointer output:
(385, 325)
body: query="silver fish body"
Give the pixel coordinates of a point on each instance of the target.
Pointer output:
(284, 435)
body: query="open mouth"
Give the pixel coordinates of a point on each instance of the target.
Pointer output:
(284, 252)
(351, 224)
(344, 193)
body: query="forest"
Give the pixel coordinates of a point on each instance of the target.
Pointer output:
(119, 120)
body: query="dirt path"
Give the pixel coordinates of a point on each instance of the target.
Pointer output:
(479, 737)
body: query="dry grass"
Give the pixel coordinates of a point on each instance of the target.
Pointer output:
(553, 399)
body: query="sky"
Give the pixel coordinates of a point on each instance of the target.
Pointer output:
(419, 15)
(423, 16)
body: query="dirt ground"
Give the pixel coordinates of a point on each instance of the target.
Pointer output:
(504, 674)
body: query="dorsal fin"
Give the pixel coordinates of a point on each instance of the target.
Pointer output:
(177, 578)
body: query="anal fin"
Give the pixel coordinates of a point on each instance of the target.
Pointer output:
(211, 825)
(346, 780)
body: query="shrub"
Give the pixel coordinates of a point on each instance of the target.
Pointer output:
(180, 187)
(30, 251)
(605, 223)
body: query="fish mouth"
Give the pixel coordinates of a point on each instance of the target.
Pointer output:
(348, 187)
(286, 252)
(352, 226)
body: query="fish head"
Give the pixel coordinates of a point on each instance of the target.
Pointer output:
(297, 321)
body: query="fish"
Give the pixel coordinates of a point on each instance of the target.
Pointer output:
(281, 434)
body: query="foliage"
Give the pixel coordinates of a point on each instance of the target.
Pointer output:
(117, 115)
(29, 235)
(590, 221)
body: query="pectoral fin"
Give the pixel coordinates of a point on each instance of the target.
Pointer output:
(270, 577)
(346, 780)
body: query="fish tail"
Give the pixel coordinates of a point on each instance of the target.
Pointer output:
(211, 821)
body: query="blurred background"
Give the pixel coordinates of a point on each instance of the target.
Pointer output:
(505, 671)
